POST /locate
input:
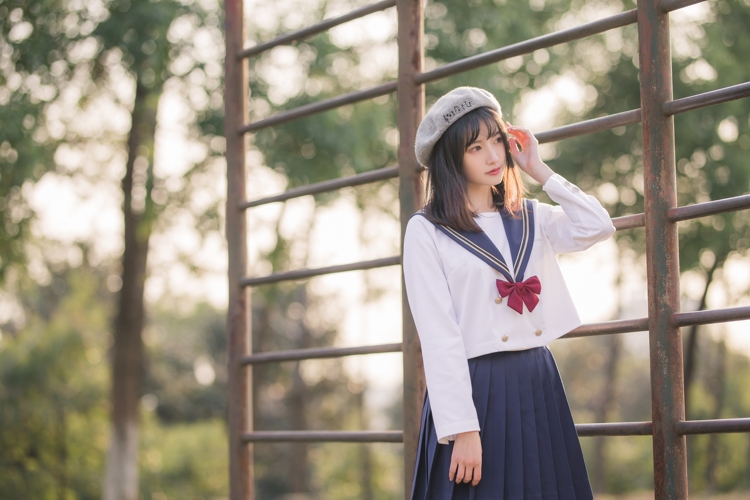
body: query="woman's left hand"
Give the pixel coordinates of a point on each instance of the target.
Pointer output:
(525, 150)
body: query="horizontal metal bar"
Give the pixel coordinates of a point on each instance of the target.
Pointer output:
(629, 221)
(528, 46)
(325, 186)
(687, 212)
(589, 126)
(608, 327)
(713, 426)
(707, 99)
(615, 429)
(710, 208)
(324, 436)
(670, 5)
(319, 107)
(711, 316)
(300, 274)
(316, 28)
(318, 353)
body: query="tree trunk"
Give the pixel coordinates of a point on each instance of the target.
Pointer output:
(121, 475)
(713, 440)
(298, 467)
(297, 401)
(604, 402)
(692, 339)
(365, 455)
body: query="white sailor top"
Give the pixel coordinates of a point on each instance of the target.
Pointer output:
(501, 290)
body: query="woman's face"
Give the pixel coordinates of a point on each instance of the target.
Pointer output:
(484, 159)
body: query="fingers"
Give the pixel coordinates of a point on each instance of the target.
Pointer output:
(460, 474)
(477, 476)
(520, 133)
(464, 473)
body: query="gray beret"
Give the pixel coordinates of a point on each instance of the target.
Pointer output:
(445, 112)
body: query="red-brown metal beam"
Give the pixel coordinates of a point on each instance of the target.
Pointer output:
(380, 174)
(608, 328)
(316, 28)
(319, 107)
(301, 274)
(528, 46)
(629, 221)
(318, 353)
(410, 95)
(714, 426)
(670, 5)
(711, 316)
(589, 126)
(239, 412)
(662, 253)
(705, 99)
(715, 207)
(614, 429)
(324, 436)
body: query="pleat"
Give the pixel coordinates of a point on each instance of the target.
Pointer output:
(514, 466)
(494, 435)
(547, 480)
(482, 381)
(565, 489)
(530, 450)
(578, 473)
(532, 474)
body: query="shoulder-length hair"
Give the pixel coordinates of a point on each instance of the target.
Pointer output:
(447, 198)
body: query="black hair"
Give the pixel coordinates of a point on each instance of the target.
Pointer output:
(447, 198)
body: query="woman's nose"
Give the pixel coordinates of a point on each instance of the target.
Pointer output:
(493, 156)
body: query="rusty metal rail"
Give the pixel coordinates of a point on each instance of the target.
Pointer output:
(319, 107)
(725, 425)
(729, 425)
(301, 274)
(324, 436)
(614, 429)
(657, 108)
(318, 353)
(553, 135)
(380, 174)
(711, 316)
(707, 99)
(529, 46)
(316, 28)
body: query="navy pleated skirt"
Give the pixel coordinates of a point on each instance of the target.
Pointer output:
(530, 449)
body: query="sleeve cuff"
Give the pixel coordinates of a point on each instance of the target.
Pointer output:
(448, 433)
(558, 181)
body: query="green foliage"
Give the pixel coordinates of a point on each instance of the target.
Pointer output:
(53, 406)
(34, 65)
(183, 460)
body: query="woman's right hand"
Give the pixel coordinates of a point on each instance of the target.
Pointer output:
(466, 461)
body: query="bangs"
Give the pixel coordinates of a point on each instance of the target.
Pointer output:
(470, 125)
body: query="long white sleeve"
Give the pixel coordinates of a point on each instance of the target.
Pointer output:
(443, 351)
(578, 222)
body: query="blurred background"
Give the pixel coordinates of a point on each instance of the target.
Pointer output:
(112, 186)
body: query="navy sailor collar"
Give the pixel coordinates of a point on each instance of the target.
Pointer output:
(520, 233)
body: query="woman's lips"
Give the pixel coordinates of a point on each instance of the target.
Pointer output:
(494, 171)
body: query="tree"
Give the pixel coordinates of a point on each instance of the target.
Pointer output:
(138, 33)
(35, 66)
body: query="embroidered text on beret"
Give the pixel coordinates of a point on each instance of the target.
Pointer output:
(445, 112)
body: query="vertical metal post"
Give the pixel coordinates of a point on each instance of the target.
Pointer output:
(410, 111)
(662, 253)
(238, 308)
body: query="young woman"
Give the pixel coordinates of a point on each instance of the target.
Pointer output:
(487, 296)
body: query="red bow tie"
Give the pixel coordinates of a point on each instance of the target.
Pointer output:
(521, 292)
